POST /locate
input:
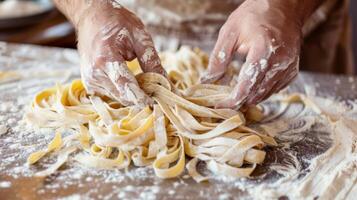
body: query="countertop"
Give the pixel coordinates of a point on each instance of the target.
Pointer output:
(42, 67)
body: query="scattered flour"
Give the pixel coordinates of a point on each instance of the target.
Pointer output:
(222, 56)
(3, 129)
(306, 143)
(5, 184)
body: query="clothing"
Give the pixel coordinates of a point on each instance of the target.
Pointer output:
(327, 44)
(327, 34)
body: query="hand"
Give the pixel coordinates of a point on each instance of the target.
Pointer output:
(267, 35)
(108, 36)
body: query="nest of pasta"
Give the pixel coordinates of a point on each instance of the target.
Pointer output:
(180, 129)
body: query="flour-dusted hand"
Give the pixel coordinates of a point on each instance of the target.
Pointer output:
(108, 36)
(265, 34)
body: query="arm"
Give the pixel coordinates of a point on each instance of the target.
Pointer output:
(108, 36)
(267, 35)
(72, 9)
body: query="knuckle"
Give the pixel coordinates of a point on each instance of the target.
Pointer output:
(123, 36)
(125, 51)
(142, 38)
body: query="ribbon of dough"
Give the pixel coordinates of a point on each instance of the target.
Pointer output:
(182, 122)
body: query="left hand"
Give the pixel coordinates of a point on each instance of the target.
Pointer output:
(267, 34)
(108, 37)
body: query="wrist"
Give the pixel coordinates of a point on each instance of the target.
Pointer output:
(73, 9)
(301, 10)
(76, 10)
(95, 21)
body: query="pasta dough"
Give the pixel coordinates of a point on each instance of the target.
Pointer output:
(181, 123)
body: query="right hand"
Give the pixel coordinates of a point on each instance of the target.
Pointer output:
(267, 36)
(108, 36)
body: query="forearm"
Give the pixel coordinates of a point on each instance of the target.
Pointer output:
(300, 10)
(73, 9)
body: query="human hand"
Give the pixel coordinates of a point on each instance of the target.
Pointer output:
(108, 36)
(267, 35)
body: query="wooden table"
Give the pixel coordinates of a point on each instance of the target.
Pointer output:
(45, 66)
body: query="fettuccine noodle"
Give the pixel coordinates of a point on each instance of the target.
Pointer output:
(181, 124)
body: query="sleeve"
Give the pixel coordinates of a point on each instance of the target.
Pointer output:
(319, 16)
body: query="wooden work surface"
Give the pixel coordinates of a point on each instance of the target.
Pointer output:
(63, 65)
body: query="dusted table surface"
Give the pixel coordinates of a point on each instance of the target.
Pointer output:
(42, 67)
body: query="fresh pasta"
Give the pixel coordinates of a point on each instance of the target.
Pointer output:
(181, 129)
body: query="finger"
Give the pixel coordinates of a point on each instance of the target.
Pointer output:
(123, 44)
(125, 83)
(251, 74)
(283, 83)
(238, 95)
(146, 52)
(278, 74)
(113, 65)
(225, 79)
(111, 41)
(104, 88)
(261, 92)
(279, 85)
(96, 82)
(221, 55)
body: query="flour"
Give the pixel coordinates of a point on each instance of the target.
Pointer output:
(250, 71)
(3, 129)
(351, 79)
(222, 56)
(173, 14)
(116, 4)
(272, 48)
(148, 54)
(3, 46)
(263, 63)
(5, 106)
(5, 184)
(123, 34)
(316, 155)
(182, 20)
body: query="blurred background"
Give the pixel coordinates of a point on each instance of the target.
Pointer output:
(34, 22)
(38, 22)
(353, 11)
